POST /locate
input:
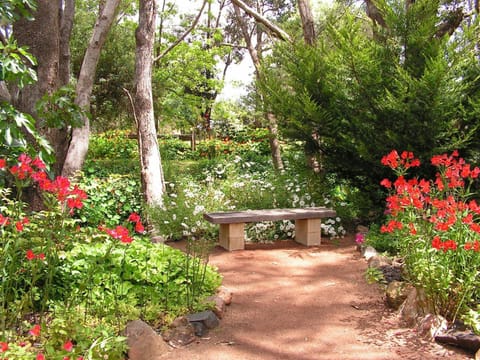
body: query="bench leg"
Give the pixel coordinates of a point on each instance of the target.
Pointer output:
(308, 231)
(232, 236)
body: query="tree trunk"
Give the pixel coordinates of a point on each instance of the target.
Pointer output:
(308, 24)
(151, 166)
(42, 37)
(77, 150)
(269, 116)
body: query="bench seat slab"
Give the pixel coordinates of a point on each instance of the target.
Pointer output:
(232, 236)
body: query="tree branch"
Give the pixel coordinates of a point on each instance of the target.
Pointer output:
(278, 32)
(184, 35)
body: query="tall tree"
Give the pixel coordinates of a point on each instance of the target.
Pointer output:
(78, 147)
(255, 51)
(151, 167)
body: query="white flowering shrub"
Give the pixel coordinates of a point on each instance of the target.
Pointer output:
(235, 184)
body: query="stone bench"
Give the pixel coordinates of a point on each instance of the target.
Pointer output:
(232, 224)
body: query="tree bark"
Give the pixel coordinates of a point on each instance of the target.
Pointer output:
(77, 150)
(308, 25)
(151, 166)
(269, 116)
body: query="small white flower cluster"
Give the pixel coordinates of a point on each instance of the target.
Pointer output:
(332, 228)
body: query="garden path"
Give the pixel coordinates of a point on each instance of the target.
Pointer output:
(299, 303)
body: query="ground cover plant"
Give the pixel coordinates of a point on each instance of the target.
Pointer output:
(67, 290)
(435, 227)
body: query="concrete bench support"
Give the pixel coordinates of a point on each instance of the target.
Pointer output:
(232, 224)
(308, 231)
(232, 236)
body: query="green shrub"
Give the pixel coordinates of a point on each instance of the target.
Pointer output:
(113, 144)
(110, 200)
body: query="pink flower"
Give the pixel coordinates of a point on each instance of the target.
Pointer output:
(359, 238)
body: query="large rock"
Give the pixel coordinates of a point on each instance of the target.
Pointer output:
(379, 261)
(226, 294)
(208, 318)
(143, 342)
(218, 303)
(431, 325)
(462, 339)
(396, 293)
(180, 333)
(414, 307)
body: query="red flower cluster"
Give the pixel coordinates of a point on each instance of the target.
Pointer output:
(438, 244)
(34, 169)
(434, 203)
(135, 218)
(30, 255)
(405, 160)
(120, 233)
(474, 246)
(455, 170)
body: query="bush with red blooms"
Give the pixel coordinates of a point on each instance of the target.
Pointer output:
(437, 225)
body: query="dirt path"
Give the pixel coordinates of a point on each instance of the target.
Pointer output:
(293, 302)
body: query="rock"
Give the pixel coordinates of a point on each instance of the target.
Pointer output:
(180, 333)
(225, 294)
(219, 305)
(431, 325)
(157, 239)
(392, 273)
(378, 261)
(368, 252)
(208, 318)
(143, 342)
(396, 293)
(462, 339)
(200, 328)
(414, 307)
(361, 229)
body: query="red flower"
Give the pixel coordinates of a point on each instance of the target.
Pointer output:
(437, 243)
(139, 228)
(3, 346)
(19, 224)
(30, 255)
(134, 217)
(68, 346)
(35, 330)
(391, 160)
(3, 163)
(386, 183)
(40, 356)
(41, 256)
(38, 163)
(4, 220)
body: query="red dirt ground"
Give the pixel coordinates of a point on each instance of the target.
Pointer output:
(299, 303)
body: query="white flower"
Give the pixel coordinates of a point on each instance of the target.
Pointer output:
(338, 219)
(198, 209)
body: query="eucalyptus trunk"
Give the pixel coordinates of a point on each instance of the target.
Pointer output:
(77, 150)
(151, 167)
